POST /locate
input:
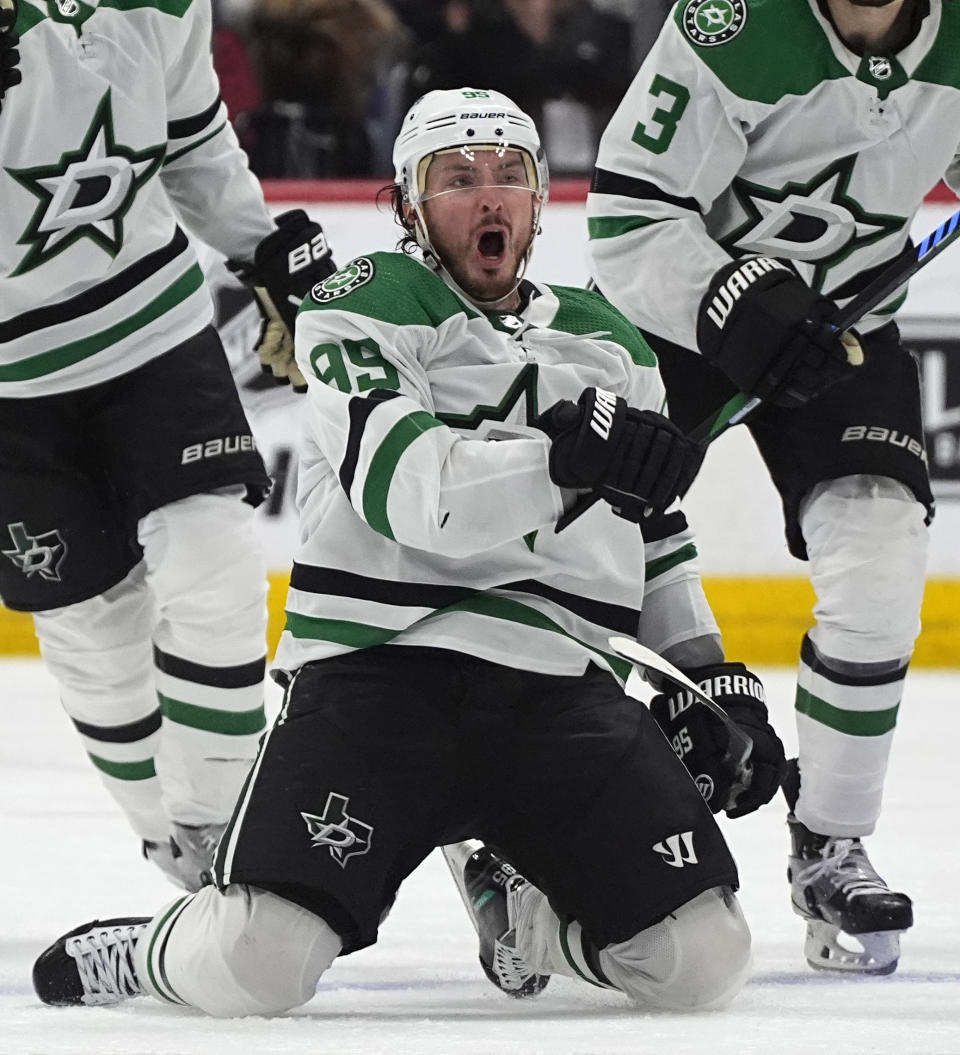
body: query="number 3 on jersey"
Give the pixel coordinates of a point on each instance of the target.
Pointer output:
(658, 134)
(363, 368)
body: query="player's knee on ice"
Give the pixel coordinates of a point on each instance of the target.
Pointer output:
(242, 952)
(696, 959)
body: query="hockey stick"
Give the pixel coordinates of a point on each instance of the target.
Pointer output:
(902, 268)
(655, 671)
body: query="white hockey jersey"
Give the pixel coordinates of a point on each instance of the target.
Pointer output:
(116, 132)
(751, 128)
(426, 507)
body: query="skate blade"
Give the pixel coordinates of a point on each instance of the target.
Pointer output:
(877, 952)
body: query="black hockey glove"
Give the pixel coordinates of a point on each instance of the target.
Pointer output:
(701, 739)
(633, 459)
(768, 331)
(287, 264)
(9, 55)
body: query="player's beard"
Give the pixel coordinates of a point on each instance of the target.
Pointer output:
(488, 290)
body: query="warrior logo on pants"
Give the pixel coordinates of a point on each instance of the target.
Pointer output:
(344, 835)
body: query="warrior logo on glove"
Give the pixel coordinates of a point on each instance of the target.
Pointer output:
(701, 740)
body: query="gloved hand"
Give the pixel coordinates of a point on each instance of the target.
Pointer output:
(769, 332)
(286, 265)
(701, 739)
(9, 55)
(633, 459)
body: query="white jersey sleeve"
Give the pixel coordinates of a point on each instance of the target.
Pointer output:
(205, 171)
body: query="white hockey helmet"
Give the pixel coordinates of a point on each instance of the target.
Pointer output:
(465, 117)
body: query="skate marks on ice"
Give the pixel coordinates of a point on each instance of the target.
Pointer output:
(420, 990)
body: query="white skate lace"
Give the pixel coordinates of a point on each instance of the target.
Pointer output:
(510, 967)
(105, 963)
(846, 865)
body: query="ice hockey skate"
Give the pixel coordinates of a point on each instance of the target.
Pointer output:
(92, 965)
(836, 889)
(491, 889)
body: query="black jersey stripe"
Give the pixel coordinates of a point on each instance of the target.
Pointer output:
(437, 596)
(128, 733)
(191, 126)
(360, 409)
(313, 579)
(606, 182)
(98, 297)
(241, 676)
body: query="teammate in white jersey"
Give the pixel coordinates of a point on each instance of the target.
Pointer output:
(446, 651)
(764, 165)
(128, 473)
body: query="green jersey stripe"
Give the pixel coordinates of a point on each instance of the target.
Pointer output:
(614, 226)
(55, 359)
(384, 463)
(670, 560)
(176, 8)
(338, 631)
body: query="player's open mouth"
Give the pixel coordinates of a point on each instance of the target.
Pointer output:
(492, 246)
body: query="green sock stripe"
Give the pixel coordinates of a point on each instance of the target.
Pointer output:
(853, 723)
(211, 720)
(142, 770)
(571, 959)
(165, 989)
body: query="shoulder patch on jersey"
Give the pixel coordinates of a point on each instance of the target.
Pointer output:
(350, 277)
(711, 22)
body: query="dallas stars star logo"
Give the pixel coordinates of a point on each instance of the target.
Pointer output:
(343, 835)
(817, 224)
(36, 554)
(86, 194)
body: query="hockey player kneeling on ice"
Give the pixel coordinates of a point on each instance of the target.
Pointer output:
(487, 494)
(128, 471)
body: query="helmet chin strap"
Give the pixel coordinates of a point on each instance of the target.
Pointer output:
(433, 259)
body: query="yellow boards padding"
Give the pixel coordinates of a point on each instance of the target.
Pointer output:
(762, 619)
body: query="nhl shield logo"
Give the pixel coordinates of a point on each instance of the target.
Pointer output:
(880, 67)
(712, 22)
(346, 280)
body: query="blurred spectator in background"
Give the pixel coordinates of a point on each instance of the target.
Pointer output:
(321, 64)
(317, 88)
(540, 53)
(239, 80)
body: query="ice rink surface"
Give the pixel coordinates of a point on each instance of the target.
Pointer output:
(68, 858)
